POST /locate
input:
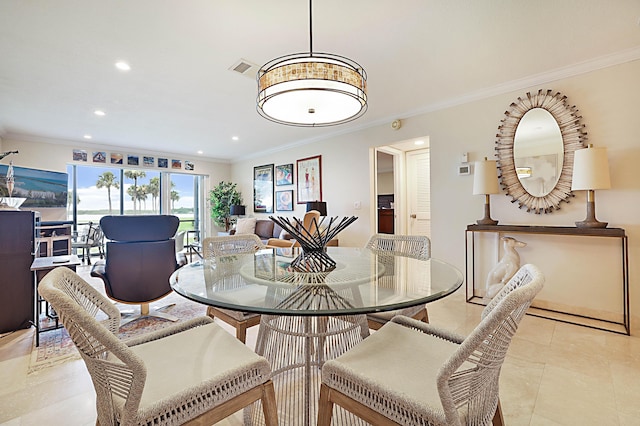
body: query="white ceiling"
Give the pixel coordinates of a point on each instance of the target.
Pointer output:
(57, 62)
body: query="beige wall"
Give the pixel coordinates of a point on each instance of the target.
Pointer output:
(608, 102)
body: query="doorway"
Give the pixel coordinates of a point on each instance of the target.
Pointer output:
(401, 193)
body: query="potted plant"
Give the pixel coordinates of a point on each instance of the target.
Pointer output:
(222, 197)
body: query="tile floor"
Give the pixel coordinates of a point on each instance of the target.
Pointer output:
(554, 374)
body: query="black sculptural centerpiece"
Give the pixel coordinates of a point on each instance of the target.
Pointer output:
(313, 241)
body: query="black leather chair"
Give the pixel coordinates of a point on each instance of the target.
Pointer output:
(140, 257)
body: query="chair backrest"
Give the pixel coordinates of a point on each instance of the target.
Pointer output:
(115, 370)
(468, 381)
(310, 221)
(233, 244)
(414, 246)
(140, 256)
(95, 236)
(226, 274)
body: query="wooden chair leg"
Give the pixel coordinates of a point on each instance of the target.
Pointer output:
(498, 418)
(241, 332)
(325, 407)
(269, 407)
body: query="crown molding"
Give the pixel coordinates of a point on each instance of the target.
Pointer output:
(621, 57)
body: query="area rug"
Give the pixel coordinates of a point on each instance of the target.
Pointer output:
(56, 347)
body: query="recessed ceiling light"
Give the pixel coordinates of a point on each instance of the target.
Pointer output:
(87, 136)
(99, 112)
(418, 143)
(123, 66)
(200, 152)
(235, 138)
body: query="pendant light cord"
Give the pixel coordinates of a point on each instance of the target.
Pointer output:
(310, 30)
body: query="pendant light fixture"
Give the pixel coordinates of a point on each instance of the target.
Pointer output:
(311, 89)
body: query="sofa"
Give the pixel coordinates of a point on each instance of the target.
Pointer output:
(263, 228)
(268, 231)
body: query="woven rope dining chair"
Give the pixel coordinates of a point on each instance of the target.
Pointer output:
(235, 244)
(431, 376)
(414, 246)
(193, 372)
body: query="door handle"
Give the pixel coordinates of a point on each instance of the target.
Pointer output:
(413, 216)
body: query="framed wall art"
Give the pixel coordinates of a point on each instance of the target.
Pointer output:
(309, 171)
(284, 174)
(79, 155)
(284, 200)
(116, 158)
(263, 189)
(99, 157)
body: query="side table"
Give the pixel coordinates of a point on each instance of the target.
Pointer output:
(41, 267)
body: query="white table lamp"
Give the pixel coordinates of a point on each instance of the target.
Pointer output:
(590, 172)
(485, 182)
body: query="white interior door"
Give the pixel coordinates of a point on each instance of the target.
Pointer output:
(419, 192)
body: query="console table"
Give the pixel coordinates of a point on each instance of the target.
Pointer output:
(595, 295)
(45, 320)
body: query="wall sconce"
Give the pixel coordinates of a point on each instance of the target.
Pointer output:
(485, 182)
(590, 172)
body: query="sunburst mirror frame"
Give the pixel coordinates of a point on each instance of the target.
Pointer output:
(574, 137)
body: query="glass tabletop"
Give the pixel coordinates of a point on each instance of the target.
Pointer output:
(363, 281)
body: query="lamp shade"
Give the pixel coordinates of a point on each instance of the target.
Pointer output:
(237, 210)
(590, 169)
(320, 206)
(485, 177)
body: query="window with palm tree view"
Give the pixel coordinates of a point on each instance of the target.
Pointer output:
(98, 191)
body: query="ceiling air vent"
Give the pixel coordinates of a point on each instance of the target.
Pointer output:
(245, 68)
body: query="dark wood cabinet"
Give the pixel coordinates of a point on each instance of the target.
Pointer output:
(17, 247)
(385, 221)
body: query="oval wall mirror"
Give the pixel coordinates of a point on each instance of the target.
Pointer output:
(535, 145)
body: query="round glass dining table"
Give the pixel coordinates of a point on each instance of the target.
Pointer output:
(309, 317)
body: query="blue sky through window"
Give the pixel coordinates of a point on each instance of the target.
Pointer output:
(92, 198)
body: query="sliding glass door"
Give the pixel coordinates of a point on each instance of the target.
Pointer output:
(98, 191)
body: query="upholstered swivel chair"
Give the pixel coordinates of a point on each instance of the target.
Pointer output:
(192, 372)
(213, 247)
(414, 246)
(90, 238)
(140, 258)
(430, 376)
